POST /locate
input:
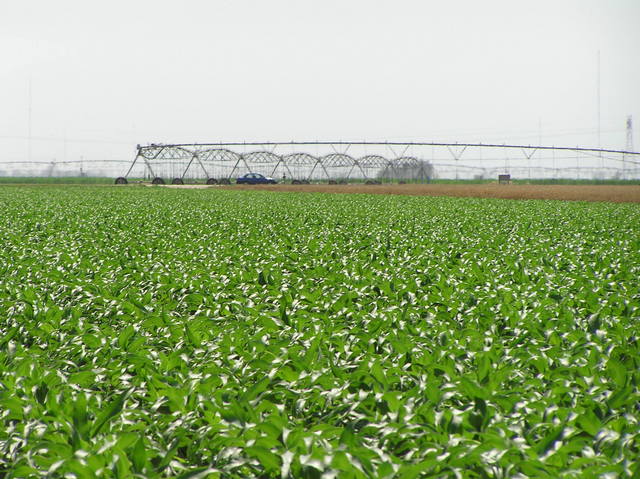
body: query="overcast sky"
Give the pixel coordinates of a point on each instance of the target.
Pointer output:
(107, 75)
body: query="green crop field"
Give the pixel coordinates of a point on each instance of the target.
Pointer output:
(55, 180)
(151, 332)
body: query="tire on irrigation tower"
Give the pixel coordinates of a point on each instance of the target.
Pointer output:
(157, 181)
(177, 181)
(296, 182)
(121, 180)
(212, 181)
(333, 182)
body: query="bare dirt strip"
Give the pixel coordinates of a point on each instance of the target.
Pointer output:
(613, 193)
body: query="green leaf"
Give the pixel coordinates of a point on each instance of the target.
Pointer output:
(41, 392)
(23, 471)
(196, 473)
(8, 336)
(348, 438)
(193, 335)
(553, 435)
(484, 367)
(617, 372)
(125, 335)
(257, 389)
(619, 398)
(268, 460)
(108, 413)
(80, 416)
(589, 422)
(139, 455)
(472, 389)
(378, 374)
(412, 471)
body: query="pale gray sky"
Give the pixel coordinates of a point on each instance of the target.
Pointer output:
(108, 75)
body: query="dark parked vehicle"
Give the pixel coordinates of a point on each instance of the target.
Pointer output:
(255, 179)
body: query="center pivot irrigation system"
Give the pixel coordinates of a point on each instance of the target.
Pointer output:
(374, 162)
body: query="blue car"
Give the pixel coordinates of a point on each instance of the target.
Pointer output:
(255, 179)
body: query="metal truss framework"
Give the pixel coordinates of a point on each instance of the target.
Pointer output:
(336, 162)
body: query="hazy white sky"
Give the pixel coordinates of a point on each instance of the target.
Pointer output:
(108, 75)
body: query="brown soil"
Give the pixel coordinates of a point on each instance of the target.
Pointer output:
(614, 193)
